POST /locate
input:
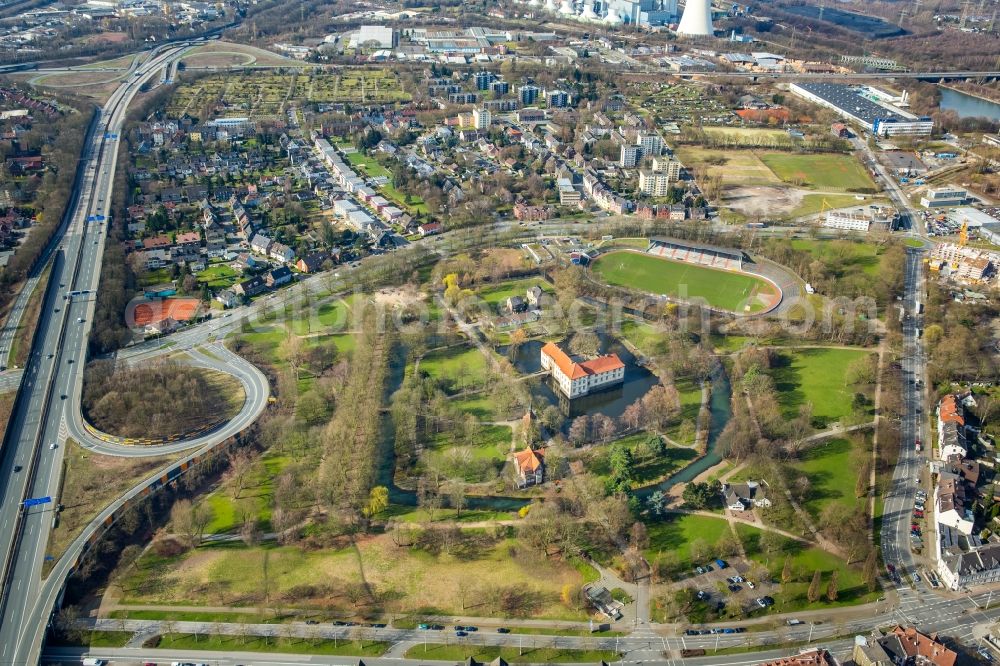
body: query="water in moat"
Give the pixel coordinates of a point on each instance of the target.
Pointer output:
(527, 360)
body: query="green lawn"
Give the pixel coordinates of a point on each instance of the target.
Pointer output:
(485, 654)
(655, 275)
(831, 474)
(496, 295)
(647, 338)
(676, 532)
(804, 561)
(690, 397)
(815, 376)
(820, 171)
(813, 203)
(479, 405)
(368, 165)
(218, 276)
(848, 255)
(646, 470)
(456, 368)
(265, 644)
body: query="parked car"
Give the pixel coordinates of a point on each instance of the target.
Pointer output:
(750, 584)
(735, 588)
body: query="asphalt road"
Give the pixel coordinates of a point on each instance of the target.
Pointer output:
(53, 371)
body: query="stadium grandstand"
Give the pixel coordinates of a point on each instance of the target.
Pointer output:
(695, 253)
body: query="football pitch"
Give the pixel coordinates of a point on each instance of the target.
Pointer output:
(725, 290)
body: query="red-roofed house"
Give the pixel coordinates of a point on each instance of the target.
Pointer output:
(576, 379)
(529, 468)
(951, 427)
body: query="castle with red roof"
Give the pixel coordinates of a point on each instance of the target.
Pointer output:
(578, 378)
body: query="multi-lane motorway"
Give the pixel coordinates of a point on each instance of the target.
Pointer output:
(31, 458)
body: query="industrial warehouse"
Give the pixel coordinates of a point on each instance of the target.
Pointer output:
(857, 104)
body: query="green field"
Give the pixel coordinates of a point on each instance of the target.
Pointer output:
(526, 654)
(815, 376)
(456, 368)
(804, 561)
(654, 275)
(676, 533)
(647, 470)
(832, 475)
(823, 172)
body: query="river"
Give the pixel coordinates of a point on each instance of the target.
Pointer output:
(968, 106)
(613, 402)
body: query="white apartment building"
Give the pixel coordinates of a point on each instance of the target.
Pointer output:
(630, 156)
(651, 144)
(671, 166)
(481, 119)
(654, 183)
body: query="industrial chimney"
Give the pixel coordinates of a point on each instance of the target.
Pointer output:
(697, 19)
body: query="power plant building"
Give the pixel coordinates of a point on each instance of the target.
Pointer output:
(864, 108)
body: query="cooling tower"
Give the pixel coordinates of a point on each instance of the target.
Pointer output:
(550, 6)
(697, 19)
(567, 8)
(588, 11)
(613, 18)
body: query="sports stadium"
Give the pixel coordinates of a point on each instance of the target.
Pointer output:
(685, 271)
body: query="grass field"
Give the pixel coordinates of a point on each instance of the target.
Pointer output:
(734, 167)
(456, 368)
(690, 397)
(847, 255)
(654, 275)
(646, 470)
(832, 475)
(526, 654)
(813, 203)
(405, 580)
(267, 644)
(748, 135)
(815, 376)
(804, 561)
(824, 172)
(676, 533)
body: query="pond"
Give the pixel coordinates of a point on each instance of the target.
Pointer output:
(610, 402)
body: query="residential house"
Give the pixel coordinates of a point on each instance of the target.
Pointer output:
(808, 657)
(902, 645)
(161, 242)
(281, 252)
(534, 296)
(951, 427)
(250, 287)
(314, 261)
(228, 298)
(154, 259)
(529, 468)
(515, 304)
(429, 228)
(277, 277)
(744, 496)
(954, 500)
(260, 244)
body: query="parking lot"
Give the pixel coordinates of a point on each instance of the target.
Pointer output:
(731, 592)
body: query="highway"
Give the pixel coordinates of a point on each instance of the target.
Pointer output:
(52, 381)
